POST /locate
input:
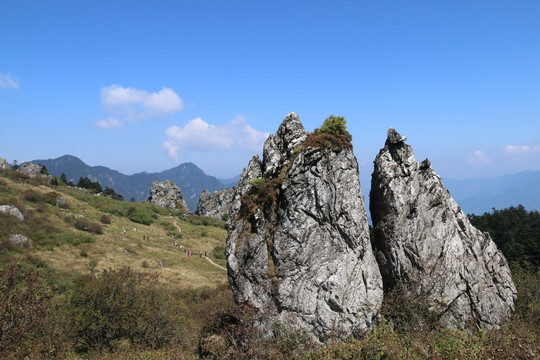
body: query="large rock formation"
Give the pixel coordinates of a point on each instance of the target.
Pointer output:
(167, 195)
(298, 249)
(426, 244)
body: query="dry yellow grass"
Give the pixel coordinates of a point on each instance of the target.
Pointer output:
(108, 251)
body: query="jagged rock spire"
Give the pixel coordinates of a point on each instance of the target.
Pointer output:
(426, 244)
(299, 250)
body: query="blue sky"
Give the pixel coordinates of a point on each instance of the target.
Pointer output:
(146, 85)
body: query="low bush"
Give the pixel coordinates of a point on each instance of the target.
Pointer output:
(24, 308)
(121, 305)
(219, 252)
(139, 215)
(88, 226)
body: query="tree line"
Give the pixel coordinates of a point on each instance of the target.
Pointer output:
(516, 232)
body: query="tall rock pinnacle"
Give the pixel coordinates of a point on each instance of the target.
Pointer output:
(426, 244)
(298, 250)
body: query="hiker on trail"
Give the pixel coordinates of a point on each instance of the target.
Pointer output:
(200, 253)
(144, 237)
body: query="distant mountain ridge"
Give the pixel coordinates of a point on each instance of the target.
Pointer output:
(190, 179)
(476, 196)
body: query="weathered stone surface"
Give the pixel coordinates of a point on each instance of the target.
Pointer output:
(30, 169)
(426, 244)
(228, 201)
(12, 210)
(20, 241)
(3, 163)
(167, 195)
(278, 149)
(215, 205)
(299, 249)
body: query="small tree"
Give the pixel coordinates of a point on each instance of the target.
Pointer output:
(335, 125)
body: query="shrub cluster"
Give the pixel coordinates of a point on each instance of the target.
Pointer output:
(121, 305)
(88, 226)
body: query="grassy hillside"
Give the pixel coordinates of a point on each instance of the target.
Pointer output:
(61, 245)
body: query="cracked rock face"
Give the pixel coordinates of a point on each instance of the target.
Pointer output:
(215, 205)
(298, 251)
(166, 194)
(426, 244)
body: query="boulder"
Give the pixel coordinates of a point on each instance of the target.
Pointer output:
(298, 250)
(425, 244)
(12, 210)
(30, 169)
(166, 194)
(20, 241)
(4, 164)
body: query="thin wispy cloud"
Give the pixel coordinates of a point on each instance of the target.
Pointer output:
(129, 104)
(521, 149)
(8, 82)
(478, 158)
(198, 135)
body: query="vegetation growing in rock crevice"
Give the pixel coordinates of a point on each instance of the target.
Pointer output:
(332, 135)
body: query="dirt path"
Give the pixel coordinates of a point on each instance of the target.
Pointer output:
(178, 227)
(213, 263)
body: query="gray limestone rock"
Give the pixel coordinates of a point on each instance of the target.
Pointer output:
(12, 210)
(215, 205)
(166, 194)
(20, 241)
(4, 164)
(299, 249)
(30, 169)
(277, 149)
(61, 201)
(426, 244)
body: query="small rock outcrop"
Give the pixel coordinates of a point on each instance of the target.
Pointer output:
(426, 244)
(11, 210)
(298, 250)
(216, 205)
(20, 241)
(4, 164)
(166, 194)
(228, 201)
(30, 169)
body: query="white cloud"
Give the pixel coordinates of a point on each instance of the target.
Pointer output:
(478, 158)
(129, 104)
(521, 149)
(109, 123)
(8, 81)
(200, 136)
